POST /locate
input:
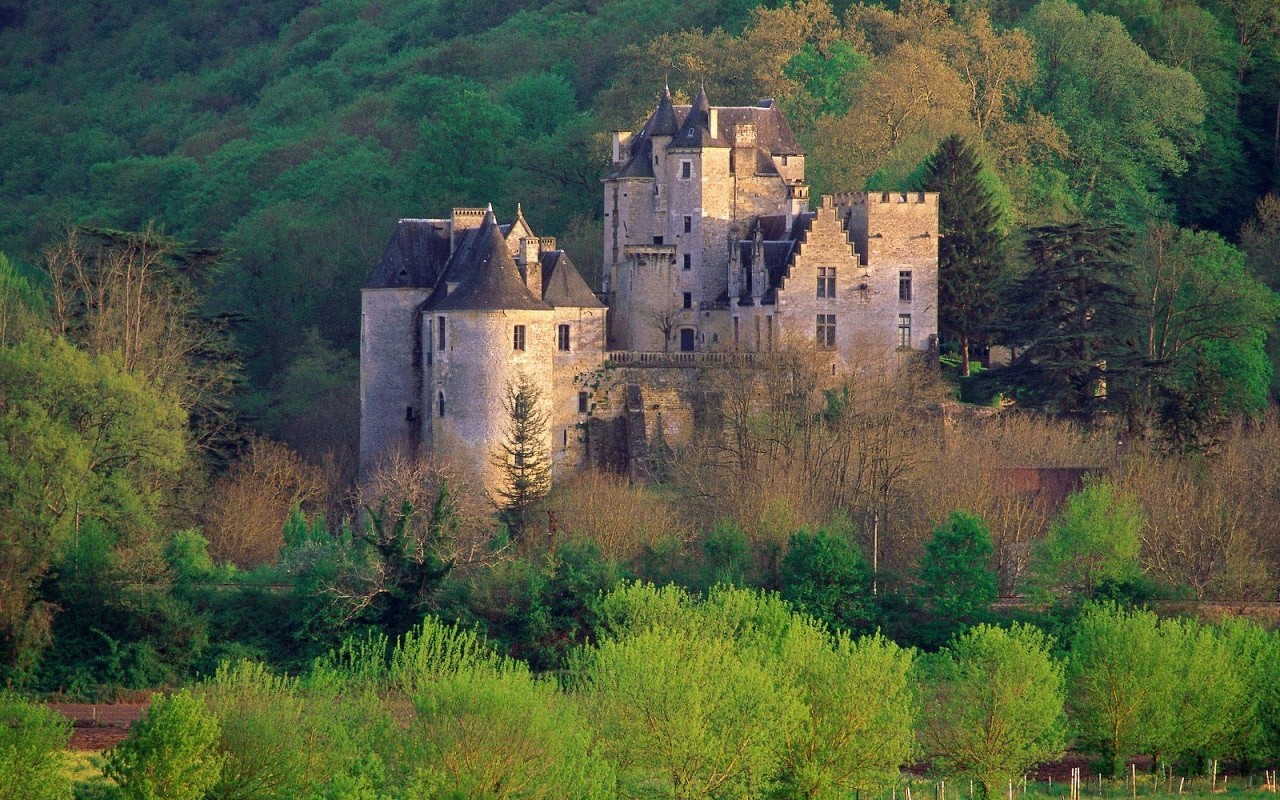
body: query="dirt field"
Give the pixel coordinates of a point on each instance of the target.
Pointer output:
(99, 726)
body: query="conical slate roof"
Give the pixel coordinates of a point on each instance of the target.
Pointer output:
(696, 131)
(489, 278)
(663, 122)
(562, 284)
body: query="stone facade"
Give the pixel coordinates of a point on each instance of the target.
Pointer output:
(712, 254)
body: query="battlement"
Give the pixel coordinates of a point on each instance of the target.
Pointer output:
(881, 199)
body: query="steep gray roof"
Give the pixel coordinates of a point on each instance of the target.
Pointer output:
(690, 127)
(779, 250)
(489, 278)
(562, 284)
(415, 256)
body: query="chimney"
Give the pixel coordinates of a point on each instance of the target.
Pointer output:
(527, 259)
(621, 146)
(713, 122)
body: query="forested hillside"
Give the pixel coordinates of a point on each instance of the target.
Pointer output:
(292, 134)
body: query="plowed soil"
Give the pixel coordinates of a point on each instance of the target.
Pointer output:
(99, 726)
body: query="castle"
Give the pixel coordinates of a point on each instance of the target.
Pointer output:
(711, 253)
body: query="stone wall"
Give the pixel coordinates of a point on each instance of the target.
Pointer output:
(390, 397)
(569, 377)
(472, 373)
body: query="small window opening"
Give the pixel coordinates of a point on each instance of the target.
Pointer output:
(517, 339)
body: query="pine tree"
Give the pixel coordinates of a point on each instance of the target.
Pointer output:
(1073, 312)
(522, 454)
(971, 259)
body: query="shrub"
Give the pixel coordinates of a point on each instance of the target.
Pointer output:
(32, 739)
(169, 755)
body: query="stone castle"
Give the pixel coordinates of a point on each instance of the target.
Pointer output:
(712, 256)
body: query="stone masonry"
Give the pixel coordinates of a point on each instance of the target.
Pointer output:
(713, 259)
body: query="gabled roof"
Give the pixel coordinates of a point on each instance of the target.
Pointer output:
(415, 257)
(562, 284)
(488, 279)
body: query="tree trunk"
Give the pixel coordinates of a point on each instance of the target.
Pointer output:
(964, 356)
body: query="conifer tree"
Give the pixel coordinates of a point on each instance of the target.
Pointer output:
(971, 261)
(1072, 316)
(522, 454)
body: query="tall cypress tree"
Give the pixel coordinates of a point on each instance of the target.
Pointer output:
(971, 256)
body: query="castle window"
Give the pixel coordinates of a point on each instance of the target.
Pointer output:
(564, 438)
(517, 340)
(688, 261)
(826, 281)
(562, 337)
(784, 161)
(826, 331)
(439, 333)
(688, 299)
(686, 170)
(440, 403)
(688, 224)
(904, 330)
(584, 402)
(657, 240)
(904, 285)
(408, 414)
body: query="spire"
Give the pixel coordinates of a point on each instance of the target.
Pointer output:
(696, 131)
(663, 121)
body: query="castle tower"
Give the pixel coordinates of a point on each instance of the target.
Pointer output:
(680, 192)
(481, 337)
(391, 402)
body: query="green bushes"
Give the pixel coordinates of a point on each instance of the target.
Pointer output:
(32, 739)
(171, 754)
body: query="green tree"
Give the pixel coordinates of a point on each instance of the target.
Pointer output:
(21, 302)
(682, 715)
(271, 748)
(1132, 122)
(971, 259)
(824, 575)
(955, 572)
(1201, 311)
(33, 739)
(995, 705)
(1094, 540)
(171, 754)
(1071, 316)
(490, 730)
(81, 441)
(1120, 674)
(522, 455)
(862, 709)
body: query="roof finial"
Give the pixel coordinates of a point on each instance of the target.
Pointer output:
(489, 208)
(519, 210)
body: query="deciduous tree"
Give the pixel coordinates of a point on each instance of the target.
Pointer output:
(994, 705)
